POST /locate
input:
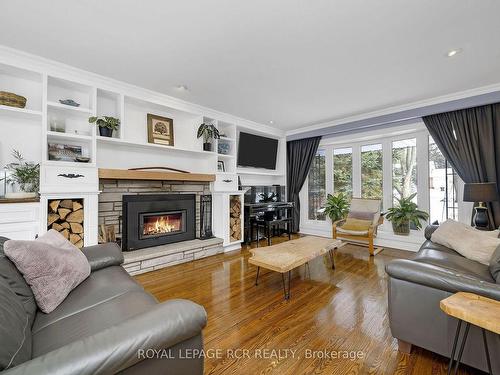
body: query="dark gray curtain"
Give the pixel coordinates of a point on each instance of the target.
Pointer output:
(300, 154)
(470, 140)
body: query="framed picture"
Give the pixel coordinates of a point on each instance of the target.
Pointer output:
(220, 166)
(160, 130)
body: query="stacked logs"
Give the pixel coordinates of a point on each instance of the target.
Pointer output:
(66, 217)
(235, 218)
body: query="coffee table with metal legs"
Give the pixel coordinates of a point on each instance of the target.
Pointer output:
(286, 256)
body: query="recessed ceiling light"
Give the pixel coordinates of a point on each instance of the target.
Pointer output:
(271, 122)
(182, 88)
(453, 52)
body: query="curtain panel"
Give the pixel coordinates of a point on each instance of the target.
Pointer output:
(470, 140)
(300, 154)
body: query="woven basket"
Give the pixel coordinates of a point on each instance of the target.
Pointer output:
(12, 100)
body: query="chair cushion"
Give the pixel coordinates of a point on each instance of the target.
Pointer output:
(15, 330)
(356, 225)
(91, 321)
(353, 232)
(16, 282)
(51, 271)
(102, 285)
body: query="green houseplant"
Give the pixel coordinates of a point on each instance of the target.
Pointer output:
(337, 206)
(24, 174)
(208, 132)
(106, 124)
(404, 213)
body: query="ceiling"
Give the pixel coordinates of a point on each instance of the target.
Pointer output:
(293, 62)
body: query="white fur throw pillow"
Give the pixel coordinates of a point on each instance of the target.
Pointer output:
(466, 240)
(51, 266)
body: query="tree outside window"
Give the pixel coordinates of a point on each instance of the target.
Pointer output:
(404, 169)
(342, 171)
(371, 172)
(317, 186)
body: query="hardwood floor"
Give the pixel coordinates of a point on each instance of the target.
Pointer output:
(342, 311)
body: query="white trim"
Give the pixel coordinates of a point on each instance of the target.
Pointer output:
(400, 108)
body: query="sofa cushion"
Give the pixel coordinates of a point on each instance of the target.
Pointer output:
(15, 332)
(91, 321)
(16, 282)
(102, 285)
(51, 271)
(456, 263)
(469, 242)
(494, 266)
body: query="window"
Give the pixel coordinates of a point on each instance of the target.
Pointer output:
(317, 186)
(442, 186)
(371, 171)
(404, 169)
(342, 171)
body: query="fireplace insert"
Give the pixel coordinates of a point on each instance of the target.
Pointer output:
(157, 219)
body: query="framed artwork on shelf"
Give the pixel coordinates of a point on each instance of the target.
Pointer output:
(63, 152)
(221, 166)
(160, 130)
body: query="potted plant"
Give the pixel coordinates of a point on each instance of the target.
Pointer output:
(404, 213)
(208, 132)
(337, 206)
(106, 124)
(26, 175)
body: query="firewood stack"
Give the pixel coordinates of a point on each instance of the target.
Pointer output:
(235, 217)
(66, 216)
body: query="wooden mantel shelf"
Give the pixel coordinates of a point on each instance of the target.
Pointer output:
(125, 174)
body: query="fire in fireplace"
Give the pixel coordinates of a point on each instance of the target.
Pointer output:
(161, 224)
(157, 219)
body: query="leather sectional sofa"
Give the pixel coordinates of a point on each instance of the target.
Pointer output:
(417, 286)
(107, 325)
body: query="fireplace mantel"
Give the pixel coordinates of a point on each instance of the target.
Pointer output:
(125, 174)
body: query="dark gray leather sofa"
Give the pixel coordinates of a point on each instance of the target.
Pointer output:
(415, 288)
(105, 326)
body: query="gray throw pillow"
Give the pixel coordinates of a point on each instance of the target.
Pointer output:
(15, 329)
(495, 265)
(52, 271)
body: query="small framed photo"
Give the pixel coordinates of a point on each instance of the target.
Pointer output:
(221, 166)
(160, 130)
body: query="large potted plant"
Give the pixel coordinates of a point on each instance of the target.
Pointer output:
(208, 132)
(106, 124)
(25, 175)
(337, 206)
(406, 212)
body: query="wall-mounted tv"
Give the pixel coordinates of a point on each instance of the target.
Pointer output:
(256, 151)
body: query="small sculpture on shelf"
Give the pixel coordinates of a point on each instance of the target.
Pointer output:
(23, 175)
(106, 125)
(208, 132)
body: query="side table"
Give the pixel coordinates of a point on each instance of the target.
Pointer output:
(472, 309)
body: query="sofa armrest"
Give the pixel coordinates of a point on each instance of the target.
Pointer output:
(119, 347)
(440, 278)
(104, 255)
(429, 229)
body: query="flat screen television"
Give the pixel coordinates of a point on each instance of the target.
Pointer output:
(256, 151)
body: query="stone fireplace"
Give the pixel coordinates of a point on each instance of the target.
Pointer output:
(157, 219)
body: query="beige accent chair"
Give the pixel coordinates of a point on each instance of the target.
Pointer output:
(361, 223)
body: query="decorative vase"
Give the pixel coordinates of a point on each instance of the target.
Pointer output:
(105, 132)
(207, 146)
(402, 229)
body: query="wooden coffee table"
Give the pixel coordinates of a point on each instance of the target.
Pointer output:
(286, 256)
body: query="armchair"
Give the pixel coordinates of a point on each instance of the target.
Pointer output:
(361, 223)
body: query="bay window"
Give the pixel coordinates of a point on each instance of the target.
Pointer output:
(372, 178)
(404, 169)
(342, 171)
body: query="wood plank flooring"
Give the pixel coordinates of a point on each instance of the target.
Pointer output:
(343, 311)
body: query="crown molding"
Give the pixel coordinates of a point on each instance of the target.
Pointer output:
(42, 65)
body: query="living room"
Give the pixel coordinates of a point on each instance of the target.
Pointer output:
(249, 187)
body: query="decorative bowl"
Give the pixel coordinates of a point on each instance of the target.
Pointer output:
(69, 102)
(82, 159)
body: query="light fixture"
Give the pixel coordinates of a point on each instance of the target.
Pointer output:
(182, 88)
(453, 52)
(271, 122)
